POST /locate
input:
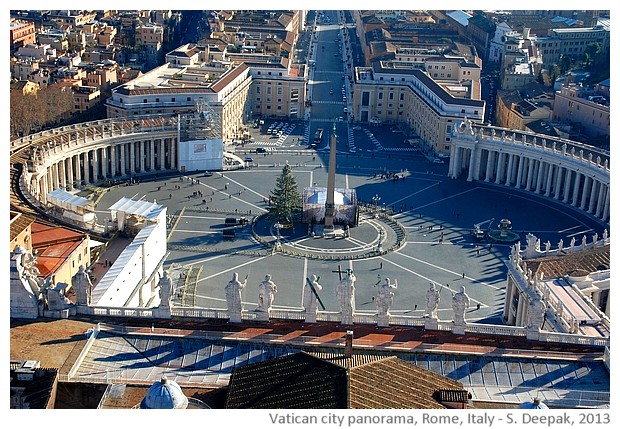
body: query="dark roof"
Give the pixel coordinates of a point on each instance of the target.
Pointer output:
(293, 381)
(19, 223)
(588, 260)
(37, 392)
(331, 380)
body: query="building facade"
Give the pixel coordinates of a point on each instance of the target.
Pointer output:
(412, 99)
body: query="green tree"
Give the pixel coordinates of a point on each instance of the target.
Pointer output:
(591, 53)
(285, 199)
(554, 73)
(566, 62)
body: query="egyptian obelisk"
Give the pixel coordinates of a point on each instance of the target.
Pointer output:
(328, 228)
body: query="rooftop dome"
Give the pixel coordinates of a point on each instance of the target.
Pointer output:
(536, 404)
(164, 395)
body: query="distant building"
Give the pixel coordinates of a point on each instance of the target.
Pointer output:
(21, 33)
(588, 106)
(32, 387)
(389, 93)
(515, 112)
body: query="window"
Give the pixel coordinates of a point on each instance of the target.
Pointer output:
(402, 96)
(174, 99)
(189, 98)
(380, 96)
(145, 101)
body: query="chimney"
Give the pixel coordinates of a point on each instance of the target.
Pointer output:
(348, 344)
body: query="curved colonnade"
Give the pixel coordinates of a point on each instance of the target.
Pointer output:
(116, 149)
(107, 150)
(572, 173)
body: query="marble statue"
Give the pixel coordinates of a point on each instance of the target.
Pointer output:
(166, 290)
(266, 293)
(309, 301)
(432, 301)
(233, 298)
(82, 286)
(346, 297)
(385, 297)
(536, 312)
(460, 303)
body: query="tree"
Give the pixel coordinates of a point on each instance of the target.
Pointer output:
(554, 73)
(285, 198)
(591, 53)
(566, 62)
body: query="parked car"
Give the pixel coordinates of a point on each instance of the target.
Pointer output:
(438, 161)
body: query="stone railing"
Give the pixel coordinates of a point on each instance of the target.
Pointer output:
(333, 316)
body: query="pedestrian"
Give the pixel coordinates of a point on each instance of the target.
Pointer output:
(463, 275)
(381, 265)
(169, 196)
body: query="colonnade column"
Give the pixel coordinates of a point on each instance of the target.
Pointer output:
(601, 198)
(519, 172)
(162, 159)
(511, 159)
(472, 165)
(576, 188)
(584, 193)
(95, 164)
(104, 162)
(490, 158)
(113, 161)
(550, 169)
(43, 188)
(593, 195)
(539, 176)
(558, 183)
(62, 175)
(530, 173)
(567, 178)
(173, 154)
(605, 214)
(86, 167)
(132, 158)
(123, 169)
(78, 170)
(501, 160)
(152, 157)
(142, 155)
(69, 169)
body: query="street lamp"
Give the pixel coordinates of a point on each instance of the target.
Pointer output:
(375, 200)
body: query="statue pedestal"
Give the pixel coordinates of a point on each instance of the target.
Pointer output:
(346, 319)
(532, 334)
(262, 316)
(310, 317)
(383, 320)
(234, 317)
(162, 313)
(458, 328)
(431, 324)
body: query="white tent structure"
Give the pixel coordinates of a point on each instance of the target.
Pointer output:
(73, 207)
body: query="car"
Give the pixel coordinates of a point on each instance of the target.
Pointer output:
(208, 173)
(345, 110)
(341, 119)
(438, 161)
(261, 150)
(248, 159)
